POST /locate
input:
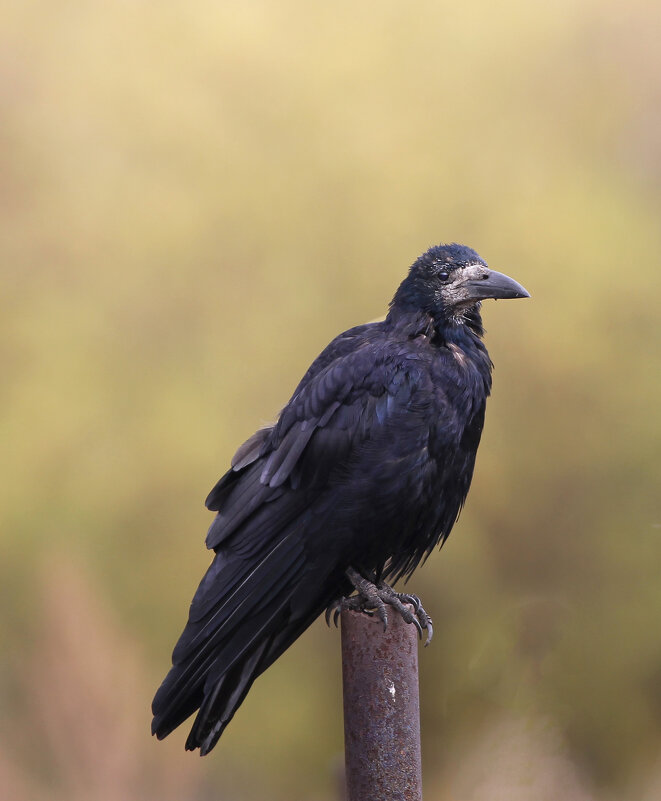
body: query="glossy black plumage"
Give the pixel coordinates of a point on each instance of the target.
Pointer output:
(367, 467)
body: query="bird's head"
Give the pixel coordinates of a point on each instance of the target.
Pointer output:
(450, 280)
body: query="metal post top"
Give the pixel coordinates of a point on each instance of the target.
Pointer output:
(381, 708)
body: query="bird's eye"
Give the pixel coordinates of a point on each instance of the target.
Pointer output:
(443, 276)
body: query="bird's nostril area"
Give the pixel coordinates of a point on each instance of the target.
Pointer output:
(485, 277)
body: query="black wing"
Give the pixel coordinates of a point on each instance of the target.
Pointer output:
(348, 445)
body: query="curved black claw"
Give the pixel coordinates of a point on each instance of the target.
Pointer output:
(422, 617)
(372, 599)
(354, 603)
(410, 599)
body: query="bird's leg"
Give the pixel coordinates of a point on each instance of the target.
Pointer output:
(374, 598)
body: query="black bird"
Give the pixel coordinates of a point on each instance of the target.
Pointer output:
(362, 475)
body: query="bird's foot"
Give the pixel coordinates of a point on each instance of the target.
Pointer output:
(373, 599)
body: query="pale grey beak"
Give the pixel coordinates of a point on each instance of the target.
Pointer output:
(495, 285)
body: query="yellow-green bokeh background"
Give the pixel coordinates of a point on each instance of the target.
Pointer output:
(196, 197)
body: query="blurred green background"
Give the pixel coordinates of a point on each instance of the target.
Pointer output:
(196, 197)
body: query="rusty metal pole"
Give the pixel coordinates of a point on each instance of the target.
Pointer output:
(381, 709)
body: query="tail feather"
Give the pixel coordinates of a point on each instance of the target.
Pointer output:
(228, 692)
(221, 703)
(228, 639)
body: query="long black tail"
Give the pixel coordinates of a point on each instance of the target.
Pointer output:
(245, 613)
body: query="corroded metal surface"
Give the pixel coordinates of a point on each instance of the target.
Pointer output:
(381, 709)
